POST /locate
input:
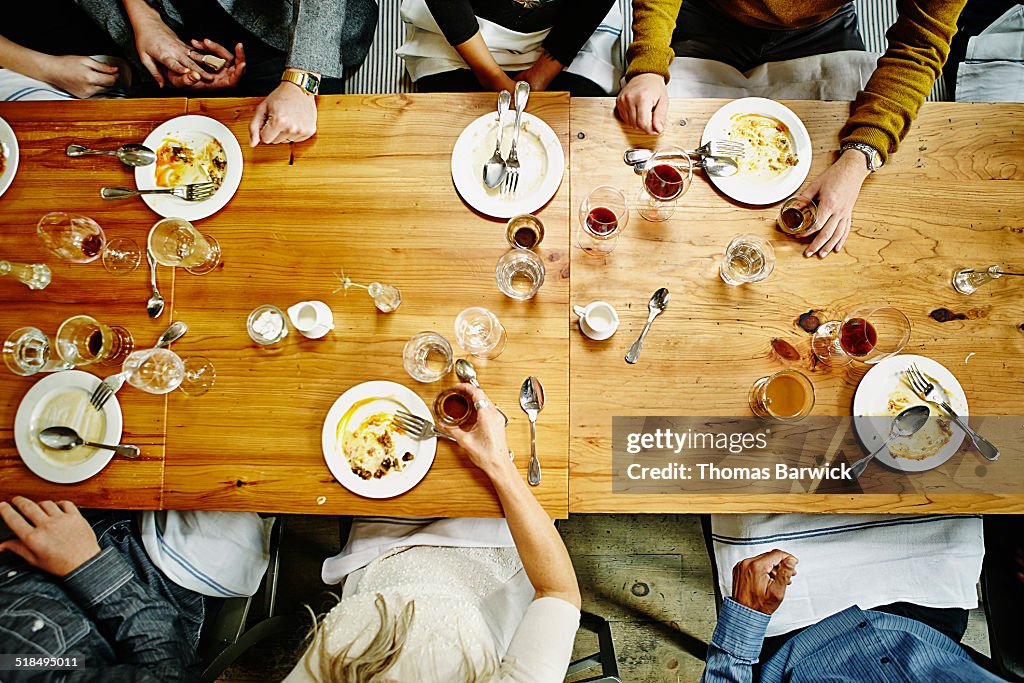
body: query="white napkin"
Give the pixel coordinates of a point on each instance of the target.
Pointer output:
(864, 560)
(220, 554)
(994, 68)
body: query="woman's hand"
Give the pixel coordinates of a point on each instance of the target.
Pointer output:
(83, 77)
(227, 77)
(543, 71)
(485, 442)
(160, 49)
(836, 190)
(286, 115)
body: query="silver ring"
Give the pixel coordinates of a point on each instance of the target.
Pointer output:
(481, 404)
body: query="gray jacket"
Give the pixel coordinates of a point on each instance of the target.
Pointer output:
(323, 36)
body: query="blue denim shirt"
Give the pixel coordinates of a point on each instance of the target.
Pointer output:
(853, 645)
(116, 612)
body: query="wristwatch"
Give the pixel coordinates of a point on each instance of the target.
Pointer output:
(874, 159)
(310, 83)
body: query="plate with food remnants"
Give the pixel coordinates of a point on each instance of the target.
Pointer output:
(884, 393)
(191, 149)
(541, 165)
(61, 399)
(778, 150)
(365, 449)
(8, 156)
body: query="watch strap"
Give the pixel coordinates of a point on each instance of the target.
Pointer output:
(873, 157)
(309, 83)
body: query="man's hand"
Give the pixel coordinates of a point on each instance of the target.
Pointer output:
(643, 103)
(83, 77)
(51, 536)
(227, 77)
(286, 115)
(543, 71)
(760, 582)
(485, 441)
(160, 49)
(836, 190)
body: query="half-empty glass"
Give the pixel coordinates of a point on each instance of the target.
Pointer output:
(71, 237)
(175, 242)
(427, 357)
(666, 177)
(748, 258)
(82, 340)
(603, 216)
(28, 350)
(480, 333)
(797, 216)
(786, 396)
(519, 274)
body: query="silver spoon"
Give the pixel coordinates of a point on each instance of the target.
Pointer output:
(531, 398)
(720, 167)
(132, 154)
(66, 438)
(657, 304)
(494, 168)
(904, 424)
(155, 305)
(465, 371)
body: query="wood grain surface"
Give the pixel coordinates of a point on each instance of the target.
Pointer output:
(47, 180)
(952, 197)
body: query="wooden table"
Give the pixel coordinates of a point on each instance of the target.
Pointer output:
(951, 198)
(49, 181)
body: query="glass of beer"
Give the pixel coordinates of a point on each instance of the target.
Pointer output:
(82, 340)
(786, 396)
(175, 242)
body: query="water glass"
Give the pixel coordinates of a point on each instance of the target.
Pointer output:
(797, 216)
(121, 256)
(28, 350)
(748, 258)
(480, 333)
(603, 216)
(427, 357)
(175, 242)
(71, 237)
(520, 274)
(82, 340)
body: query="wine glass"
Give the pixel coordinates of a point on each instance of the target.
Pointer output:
(604, 214)
(161, 371)
(71, 237)
(175, 242)
(121, 256)
(869, 335)
(480, 333)
(666, 178)
(82, 340)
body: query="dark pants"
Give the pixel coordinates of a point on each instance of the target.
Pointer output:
(704, 32)
(463, 80)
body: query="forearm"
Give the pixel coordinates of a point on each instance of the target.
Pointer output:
(541, 549)
(316, 37)
(478, 57)
(735, 644)
(25, 61)
(138, 11)
(651, 49)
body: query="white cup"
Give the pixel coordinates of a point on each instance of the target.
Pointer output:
(598, 320)
(312, 319)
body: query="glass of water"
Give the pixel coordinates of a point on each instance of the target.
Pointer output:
(748, 258)
(28, 350)
(520, 274)
(427, 357)
(480, 333)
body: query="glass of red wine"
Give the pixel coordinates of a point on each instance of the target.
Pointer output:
(71, 237)
(666, 178)
(869, 335)
(603, 216)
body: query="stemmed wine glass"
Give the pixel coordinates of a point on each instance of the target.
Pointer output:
(869, 335)
(79, 239)
(175, 242)
(666, 177)
(604, 214)
(161, 371)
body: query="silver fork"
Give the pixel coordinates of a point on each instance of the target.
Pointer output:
(196, 192)
(512, 163)
(418, 427)
(720, 148)
(935, 394)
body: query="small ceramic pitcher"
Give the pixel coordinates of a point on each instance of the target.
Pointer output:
(312, 319)
(598, 320)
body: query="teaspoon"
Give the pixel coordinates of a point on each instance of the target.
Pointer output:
(155, 305)
(657, 304)
(131, 154)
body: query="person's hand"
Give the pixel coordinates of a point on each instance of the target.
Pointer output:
(485, 441)
(836, 190)
(161, 51)
(83, 77)
(51, 536)
(286, 115)
(498, 81)
(227, 77)
(760, 582)
(643, 103)
(543, 71)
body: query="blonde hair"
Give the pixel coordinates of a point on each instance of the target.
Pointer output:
(381, 654)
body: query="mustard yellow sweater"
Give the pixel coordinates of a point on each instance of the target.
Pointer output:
(883, 111)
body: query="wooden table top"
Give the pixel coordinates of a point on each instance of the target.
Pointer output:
(951, 198)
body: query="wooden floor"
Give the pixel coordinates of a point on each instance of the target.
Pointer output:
(646, 574)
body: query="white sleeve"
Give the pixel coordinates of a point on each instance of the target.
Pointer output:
(542, 645)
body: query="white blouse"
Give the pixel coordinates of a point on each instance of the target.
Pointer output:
(472, 605)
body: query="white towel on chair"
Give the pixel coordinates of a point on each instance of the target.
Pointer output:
(865, 560)
(220, 554)
(994, 68)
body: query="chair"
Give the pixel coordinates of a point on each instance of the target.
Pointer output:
(225, 638)
(605, 655)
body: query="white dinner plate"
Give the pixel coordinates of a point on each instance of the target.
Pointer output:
(187, 129)
(872, 398)
(541, 164)
(9, 153)
(61, 399)
(757, 189)
(379, 396)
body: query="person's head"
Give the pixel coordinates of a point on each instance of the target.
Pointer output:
(387, 651)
